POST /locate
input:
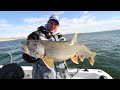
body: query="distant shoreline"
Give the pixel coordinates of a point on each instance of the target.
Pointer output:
(9, 39)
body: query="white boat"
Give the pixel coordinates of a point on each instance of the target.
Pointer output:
(72, 73)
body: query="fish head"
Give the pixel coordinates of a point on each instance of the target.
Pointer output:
(29, 47)
(32, 47)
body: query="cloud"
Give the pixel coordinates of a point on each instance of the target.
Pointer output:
(57, 12)
(87, 24)
(85, 12)
(83, 24)
(35, 20)
(3, 23)
(114, 18)
(77, 21)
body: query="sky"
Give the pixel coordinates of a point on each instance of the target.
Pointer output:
(17, 24)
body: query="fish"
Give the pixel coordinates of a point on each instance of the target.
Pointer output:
(58, 51)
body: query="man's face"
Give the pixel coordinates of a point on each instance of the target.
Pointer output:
(53, 25)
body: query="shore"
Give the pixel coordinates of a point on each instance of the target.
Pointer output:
(8, 39)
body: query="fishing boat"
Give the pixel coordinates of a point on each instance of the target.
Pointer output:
(81, 73)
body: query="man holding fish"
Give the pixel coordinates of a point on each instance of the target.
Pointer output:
(50, 51)
(48, 32)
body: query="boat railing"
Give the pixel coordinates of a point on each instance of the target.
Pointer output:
(10, 56)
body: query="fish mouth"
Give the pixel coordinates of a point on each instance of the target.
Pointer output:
(23, 49)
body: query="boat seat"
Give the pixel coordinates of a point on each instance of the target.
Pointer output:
(12, 71)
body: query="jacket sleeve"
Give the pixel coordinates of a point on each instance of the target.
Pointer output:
(26, 57)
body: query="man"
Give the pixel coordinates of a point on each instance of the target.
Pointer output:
(47, 32)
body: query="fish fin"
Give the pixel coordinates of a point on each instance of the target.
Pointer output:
(91, 60)
(75, 59)
(94, 54)
(74, 39)
(49, 62)
(82, 57)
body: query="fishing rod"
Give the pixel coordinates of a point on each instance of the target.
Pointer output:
(78, 69)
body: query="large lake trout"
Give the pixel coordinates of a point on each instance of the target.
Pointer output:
(57, 51)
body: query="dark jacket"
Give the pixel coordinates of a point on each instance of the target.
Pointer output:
(40, 71)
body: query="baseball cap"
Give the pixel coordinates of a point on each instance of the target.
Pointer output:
(54, 17)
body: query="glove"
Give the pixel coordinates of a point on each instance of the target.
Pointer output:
(29, 59)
